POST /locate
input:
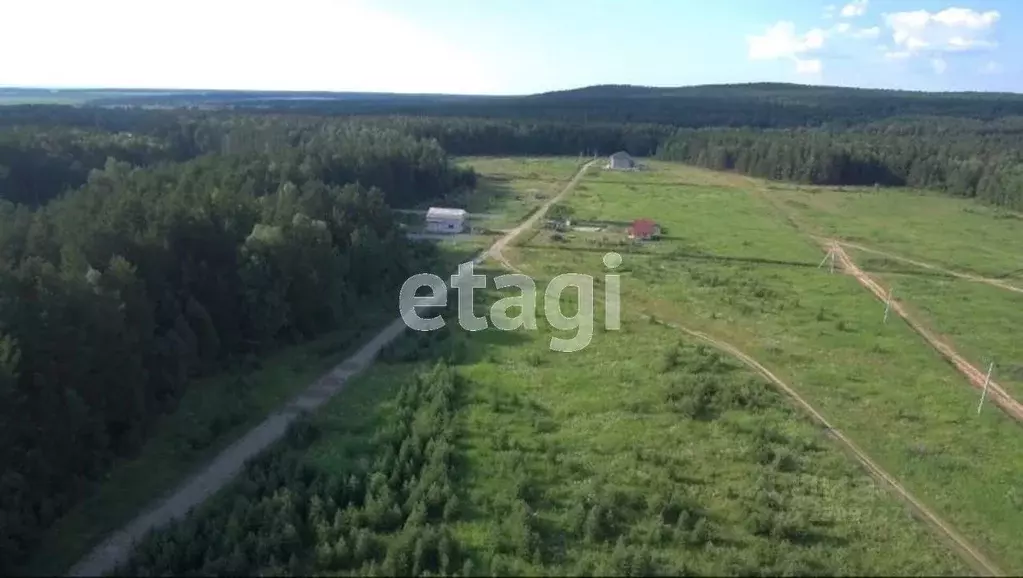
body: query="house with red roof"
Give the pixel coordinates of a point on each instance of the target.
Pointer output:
(644, 229)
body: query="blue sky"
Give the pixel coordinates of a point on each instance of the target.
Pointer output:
(509, 46)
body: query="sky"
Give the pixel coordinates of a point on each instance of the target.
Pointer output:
(509, 46)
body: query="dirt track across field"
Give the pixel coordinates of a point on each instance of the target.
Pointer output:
(975, 376)
(959, 543)
(116, 549)
(967, 276)
(973, 557)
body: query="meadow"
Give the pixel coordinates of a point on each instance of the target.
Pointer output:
(731, 266)
(982, 321)
(490, 454)
(646, 452)
(510, 189)
(952, 232)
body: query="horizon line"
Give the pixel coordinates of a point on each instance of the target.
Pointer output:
(5, 87)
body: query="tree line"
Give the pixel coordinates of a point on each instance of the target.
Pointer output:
(152, 272)
(286, 517)
(975, 156)
(140, 249)
(976, 160)
(758, 105)
(44, 158)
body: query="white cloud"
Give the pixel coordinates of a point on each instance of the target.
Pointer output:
(939, 65)
(781, 41)
(991, 68)
(239, 44)
(843, 27)
(854, 8)
(829, 11)
(810, 66)
(951, 30)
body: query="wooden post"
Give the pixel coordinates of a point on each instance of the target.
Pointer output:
(987, 382)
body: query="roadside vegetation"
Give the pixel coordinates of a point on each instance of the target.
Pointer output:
(729, 265)
(645, 452)
(465, 454)
(170, 277)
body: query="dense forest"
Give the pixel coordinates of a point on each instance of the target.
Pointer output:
(969, 158)
(965, 144)
(142, 248)
(149, 271)
(388, 517)
(760, 105)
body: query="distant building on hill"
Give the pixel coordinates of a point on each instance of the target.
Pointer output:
(442, 220)
(621, 160)
(644, 229)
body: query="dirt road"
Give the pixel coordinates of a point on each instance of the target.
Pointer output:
(116, 549)
(758, 189)
(971, 555)
(968, 276)
(496, 250)
(975, 376)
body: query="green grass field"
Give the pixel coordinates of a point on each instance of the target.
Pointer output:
(729, 265)
(512, 188)
(673, 461)
(487, 453)
(955, 233)
(982, 321)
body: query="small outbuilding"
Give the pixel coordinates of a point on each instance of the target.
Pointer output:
(443, 220)
(644, 229)
(621, 160)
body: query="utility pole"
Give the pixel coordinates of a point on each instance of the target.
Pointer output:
(987, 382)
(829, 256)
(888, 304)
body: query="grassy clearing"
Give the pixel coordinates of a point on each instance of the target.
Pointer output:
(213, 413)
(512, 188)
(642, 453)
(980, 320)
(671, 461)
(731, 267)
(914, 224)
(486, 453)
